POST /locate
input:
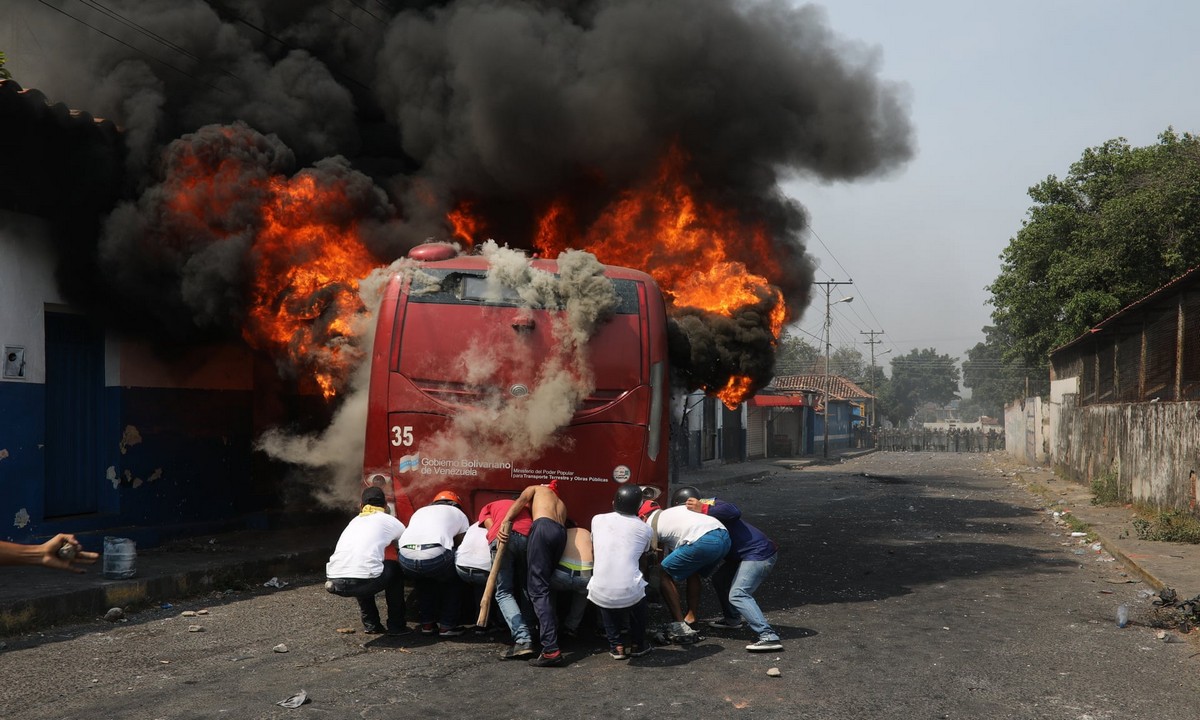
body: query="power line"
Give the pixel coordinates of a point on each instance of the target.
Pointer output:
(134, 48)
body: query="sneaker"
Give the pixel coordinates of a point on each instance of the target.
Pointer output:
(765, 646)
(398, 631)
(452, 631)
(372, 629)
(544, 660)
(635, 651)
(485, 629)
(618, 653)
(727, 624)
(519, 650)
(428, 629)
(680, 630)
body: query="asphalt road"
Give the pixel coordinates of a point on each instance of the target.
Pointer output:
(909, 586)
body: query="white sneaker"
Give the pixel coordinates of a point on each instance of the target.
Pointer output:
(765, 646)
(681, 629)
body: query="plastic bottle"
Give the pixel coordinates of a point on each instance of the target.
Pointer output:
(1122, 616)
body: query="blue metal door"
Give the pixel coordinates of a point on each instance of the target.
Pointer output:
(74, 384)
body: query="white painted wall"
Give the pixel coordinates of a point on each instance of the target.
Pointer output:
(1058, 388)
(27, 285)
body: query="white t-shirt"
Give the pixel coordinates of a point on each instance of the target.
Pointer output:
(678, 525)
(359, 550)
(436, 525)
(618, 542)
(474, 551)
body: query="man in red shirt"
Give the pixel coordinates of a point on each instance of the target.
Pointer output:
(492, 515)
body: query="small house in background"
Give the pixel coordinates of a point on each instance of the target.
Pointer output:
(787, 418)
(1124, 398)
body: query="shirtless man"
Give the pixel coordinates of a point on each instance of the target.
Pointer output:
(547, 539)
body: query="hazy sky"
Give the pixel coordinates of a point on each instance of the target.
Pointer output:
(1002, 95)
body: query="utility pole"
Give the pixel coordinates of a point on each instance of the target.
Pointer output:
(829, 285)
(872, 342)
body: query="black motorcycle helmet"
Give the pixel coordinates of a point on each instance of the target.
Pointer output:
(683, 494)
(627, 500)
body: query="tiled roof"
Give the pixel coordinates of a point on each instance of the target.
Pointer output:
(838, 387)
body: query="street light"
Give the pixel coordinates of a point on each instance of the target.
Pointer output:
(828, 322)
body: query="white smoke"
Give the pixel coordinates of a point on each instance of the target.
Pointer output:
(520, 429)
(336, 453)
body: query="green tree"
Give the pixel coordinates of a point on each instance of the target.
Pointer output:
(1122, 223)
(995, 381)
(849, 363)
(4, 73)
(796, 356)
(919, 377)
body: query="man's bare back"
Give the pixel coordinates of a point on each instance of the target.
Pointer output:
(542, 501)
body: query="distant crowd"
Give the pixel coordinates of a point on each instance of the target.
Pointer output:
(972, 440)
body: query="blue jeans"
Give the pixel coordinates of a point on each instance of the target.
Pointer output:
(736, 582)
(506, 587)
(390, 581)
(564, 580)
(439, 590)
(699, 557)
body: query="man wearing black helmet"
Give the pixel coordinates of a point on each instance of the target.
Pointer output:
(358, 568)
(618, 586)
(751, 557)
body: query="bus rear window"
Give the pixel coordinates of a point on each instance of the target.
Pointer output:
(459, 288)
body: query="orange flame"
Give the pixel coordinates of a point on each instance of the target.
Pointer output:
(305, 289)
(697, 253)
(735, 391)
(466, 225)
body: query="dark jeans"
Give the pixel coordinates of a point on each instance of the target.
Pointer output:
(634, 616)
(547, 539)
(439, 591)
(390, 582)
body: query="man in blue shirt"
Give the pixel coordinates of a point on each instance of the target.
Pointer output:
(751, 557)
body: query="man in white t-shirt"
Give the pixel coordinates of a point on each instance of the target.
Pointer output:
(620, 541)
(473, 562)
(695, 545)
(358, 568)
(427, 555)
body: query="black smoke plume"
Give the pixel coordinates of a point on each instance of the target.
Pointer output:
(506, 104)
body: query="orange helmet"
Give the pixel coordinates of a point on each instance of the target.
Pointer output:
(447, 496)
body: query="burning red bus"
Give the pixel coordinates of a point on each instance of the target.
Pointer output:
(484, 380)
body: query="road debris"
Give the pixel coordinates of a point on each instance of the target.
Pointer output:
(774, 672)
(275, 583)
(280, 648)
(114, 614)
(195, 628)
(346, 631)
(294, 701)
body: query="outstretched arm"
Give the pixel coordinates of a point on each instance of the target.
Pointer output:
(518, 505)
(47, 554)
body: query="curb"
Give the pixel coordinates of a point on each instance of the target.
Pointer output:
(34, 613)
(1128, 562)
